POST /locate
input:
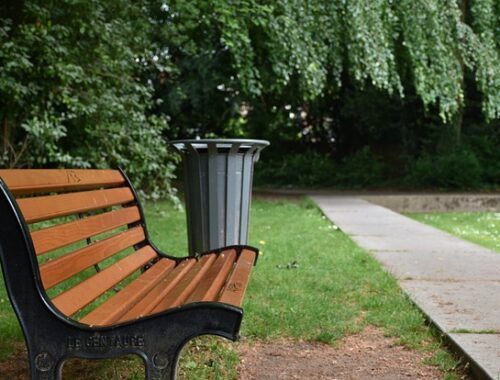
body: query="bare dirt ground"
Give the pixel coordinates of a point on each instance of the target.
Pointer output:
(16, 366)
(367, 355)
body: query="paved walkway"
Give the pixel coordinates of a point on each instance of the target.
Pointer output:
(454, 282)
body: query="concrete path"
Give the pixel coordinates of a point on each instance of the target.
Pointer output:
(454, 282)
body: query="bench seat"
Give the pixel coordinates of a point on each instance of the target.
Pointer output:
(214, 277)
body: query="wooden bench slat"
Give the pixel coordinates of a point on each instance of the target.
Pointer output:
(147, 304)
(82, 294)
(21, 181)
(210, 285)
(55, 271)
(48, 239)
(54, 206)
(117, 305)
(235, 287)
(182, 290)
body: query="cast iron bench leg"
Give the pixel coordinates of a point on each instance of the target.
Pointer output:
(161, 366)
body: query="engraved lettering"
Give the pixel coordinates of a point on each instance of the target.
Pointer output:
(140, 341)
(99, 342)
(74, 343)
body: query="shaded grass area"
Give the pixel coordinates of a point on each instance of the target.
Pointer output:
(311, 282)
(482, 228)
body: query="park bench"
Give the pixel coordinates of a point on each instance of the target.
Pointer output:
(86, 281)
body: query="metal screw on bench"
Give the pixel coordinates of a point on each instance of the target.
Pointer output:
(218, 177)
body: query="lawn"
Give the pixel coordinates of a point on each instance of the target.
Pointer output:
(482, 228)
(311, 282)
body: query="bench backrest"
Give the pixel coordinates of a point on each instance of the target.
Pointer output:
(80, 222)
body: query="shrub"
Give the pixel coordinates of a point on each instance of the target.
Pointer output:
(308, 169)
(459, 169)
(486, 149)
(313, 169)
(363, 168)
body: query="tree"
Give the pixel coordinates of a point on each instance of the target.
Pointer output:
(71, 91)
(259, 55)
(92, 83)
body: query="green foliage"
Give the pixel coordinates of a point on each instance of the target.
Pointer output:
(486, 53)
(371, 32)
(89, 83)
(71, 89)
(432, 45)
(331, 77)
(265, 57)
(485, 142)
(312, 169)
(363, 168)
(458, 169)
(307, 170)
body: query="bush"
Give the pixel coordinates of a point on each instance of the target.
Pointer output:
(459, 169)
(313, 169)
(485, 144)
(75, 90)
(361, 169)
(308, 169)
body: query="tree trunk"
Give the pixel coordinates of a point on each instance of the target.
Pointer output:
(459, 115)
(5, 135)
(457, 125)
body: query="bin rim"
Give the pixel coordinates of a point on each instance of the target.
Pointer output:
(220, 143)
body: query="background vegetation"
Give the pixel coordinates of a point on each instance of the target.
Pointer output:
(362, 93)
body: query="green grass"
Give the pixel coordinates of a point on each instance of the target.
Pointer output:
(10, 332)
(469, 331)
(311, 282)
(482, 228)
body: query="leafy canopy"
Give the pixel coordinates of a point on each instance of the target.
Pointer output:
(72, 92)
(255, 47)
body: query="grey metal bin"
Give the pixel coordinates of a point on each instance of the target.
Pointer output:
(218, 187)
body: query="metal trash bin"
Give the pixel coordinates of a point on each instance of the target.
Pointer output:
(218, 187)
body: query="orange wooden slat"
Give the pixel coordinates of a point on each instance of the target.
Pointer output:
(180, 292)
(55, 271)
(53, 206)
(21, 181)
(210, 285)
(117, 305)
(82, 294)
(48, 239)
(147, 304)
(236, 286)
